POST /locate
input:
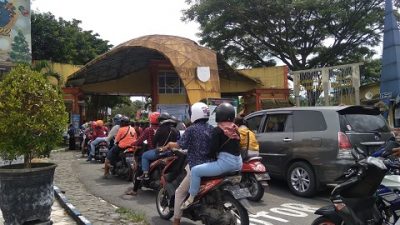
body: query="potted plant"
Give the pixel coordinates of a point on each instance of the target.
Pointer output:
(32, 120)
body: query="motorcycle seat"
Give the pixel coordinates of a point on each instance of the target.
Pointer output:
(227, 174)
(252, 158)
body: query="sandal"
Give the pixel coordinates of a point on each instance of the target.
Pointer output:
(131, 192)
(186, 204)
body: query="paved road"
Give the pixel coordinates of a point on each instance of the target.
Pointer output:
(277, 207)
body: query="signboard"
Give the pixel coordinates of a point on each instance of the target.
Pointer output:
(75, 120)
(15, 31)
(214, 102)
(385, 95)
(180, 111)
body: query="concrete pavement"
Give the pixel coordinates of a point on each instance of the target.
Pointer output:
(95, 209)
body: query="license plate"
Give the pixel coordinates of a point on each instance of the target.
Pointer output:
(262, 176)
(103, 150)
(129, 159)
(239, 193)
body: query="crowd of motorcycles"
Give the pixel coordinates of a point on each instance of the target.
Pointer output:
(367, 194)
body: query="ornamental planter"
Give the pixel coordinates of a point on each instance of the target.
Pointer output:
(27, 194)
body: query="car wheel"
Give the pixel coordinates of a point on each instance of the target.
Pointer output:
(301, 179)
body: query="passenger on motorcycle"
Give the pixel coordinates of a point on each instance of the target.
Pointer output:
(100, 131)
(196, 139)
(225, 146)
(111, 135)
(248, 143)
(125, 137)
(146, 136)
(164, 134)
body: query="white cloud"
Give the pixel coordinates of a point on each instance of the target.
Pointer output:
(122, 20)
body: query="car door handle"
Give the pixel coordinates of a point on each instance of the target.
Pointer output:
(287, 140)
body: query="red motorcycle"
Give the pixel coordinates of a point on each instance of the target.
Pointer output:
(254, 177)
(155, 171)
(220, 201)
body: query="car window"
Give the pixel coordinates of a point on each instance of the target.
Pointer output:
(363, 123)
(308, 121)
(253, 123)
(275, 123)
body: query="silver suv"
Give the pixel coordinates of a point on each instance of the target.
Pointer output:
(310, 147)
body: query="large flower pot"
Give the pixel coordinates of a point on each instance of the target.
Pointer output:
(27, 194)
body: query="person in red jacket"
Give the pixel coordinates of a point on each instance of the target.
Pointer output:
(100, 131)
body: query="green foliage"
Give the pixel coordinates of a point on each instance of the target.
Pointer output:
(301, 33)
(64, 41)
(20, 52)
(128, 109)
(370, 72)
(98, 104)
(32, 114)
(132, 216)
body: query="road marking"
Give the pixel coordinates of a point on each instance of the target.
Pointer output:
(286, 209)
(300, 207)
(288, 212)
(265, 215)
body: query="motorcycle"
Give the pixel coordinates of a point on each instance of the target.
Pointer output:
(388, 201)
(124, 166)
(354, 200)
(101, 150)
(254, 177)
(156, 168)
(220, 201)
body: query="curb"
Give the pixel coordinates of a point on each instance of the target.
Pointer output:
(71, 210)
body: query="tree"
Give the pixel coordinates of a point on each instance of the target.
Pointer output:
(370, 72)
(97, 105)
(20, 52)
(32, 114)
(129, 109)
(64, 41)
(301, 33)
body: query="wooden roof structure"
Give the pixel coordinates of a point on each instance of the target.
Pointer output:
(136, 55)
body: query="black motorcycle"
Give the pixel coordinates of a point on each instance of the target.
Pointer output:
(354, 199)
(125, 164)
(100, 151)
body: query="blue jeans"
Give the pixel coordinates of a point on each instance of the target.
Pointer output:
(147, 157)
(93, 145)
(225, 163)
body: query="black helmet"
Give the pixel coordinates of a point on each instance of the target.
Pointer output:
(124, 121)
(172, 121)
(225, 112)
(164, 116)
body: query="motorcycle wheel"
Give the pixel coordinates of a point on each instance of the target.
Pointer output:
(234, 208)
(322, 220)
(163, 207)
(255, 188)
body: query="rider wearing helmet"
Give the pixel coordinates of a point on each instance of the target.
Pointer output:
(165, 133)
(148, 133)
(225, 145)
(100, 132)
(125, 137)
(148, 136)
(196, 139)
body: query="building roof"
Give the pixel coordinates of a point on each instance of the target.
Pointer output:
(135, 55)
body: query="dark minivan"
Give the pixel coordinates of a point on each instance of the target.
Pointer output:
(310, 147)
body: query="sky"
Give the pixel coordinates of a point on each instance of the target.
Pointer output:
(122, 20)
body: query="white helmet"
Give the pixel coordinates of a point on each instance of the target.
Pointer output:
(199, 111)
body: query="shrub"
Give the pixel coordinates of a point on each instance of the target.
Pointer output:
(32, 115)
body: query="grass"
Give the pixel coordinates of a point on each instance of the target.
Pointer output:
(132, 216)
